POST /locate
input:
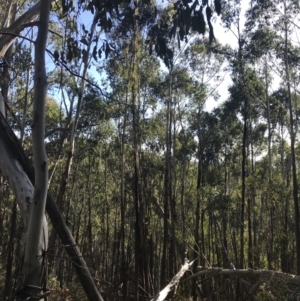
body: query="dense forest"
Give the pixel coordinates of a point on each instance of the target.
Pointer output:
(138, 151)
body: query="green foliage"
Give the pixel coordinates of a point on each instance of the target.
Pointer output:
(143, 130)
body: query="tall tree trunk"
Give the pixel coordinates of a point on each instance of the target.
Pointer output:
(172, 193)
(141, 265)
(123, 259)
(292, 135)
(250, 203)
(167, 188)
(198, 204)
(34, 266)
(182, 202)
(243, 200)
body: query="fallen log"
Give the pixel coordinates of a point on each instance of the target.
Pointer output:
(276, 280)
(293, 281)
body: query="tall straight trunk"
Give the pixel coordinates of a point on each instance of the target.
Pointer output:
(89, 225)
(141, 265)
(34, 268)
(34, 260)
(124, 270)
(250, 206)
(167, 188)
(269, 130)
(182, 202)
(270, 243)
(292, 136)
(242, 85)
(243, 200)
(225, 217)
(285, 207)
(137, 200)
(197, 212)
(172, 193)
(196, 245)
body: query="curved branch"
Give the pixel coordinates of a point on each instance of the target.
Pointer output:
(8, 35)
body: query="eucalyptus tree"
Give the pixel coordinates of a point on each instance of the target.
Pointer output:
(232, 20)
(103, 13)
(283, 14)
(6, 40)
(244, 94)
(279, 101)
(229, 158)
(204, 66)
(33, 269)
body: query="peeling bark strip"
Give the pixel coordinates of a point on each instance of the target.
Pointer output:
(170, 289)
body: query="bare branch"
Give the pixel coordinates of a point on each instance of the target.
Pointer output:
(172, 286)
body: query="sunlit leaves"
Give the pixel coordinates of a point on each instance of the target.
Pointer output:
(180, 20)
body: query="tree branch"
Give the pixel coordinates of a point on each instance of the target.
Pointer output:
(171, 288)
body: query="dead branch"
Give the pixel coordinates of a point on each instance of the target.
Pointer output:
(172, 286)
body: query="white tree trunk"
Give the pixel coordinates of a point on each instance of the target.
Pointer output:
(35, 266)
(22, 189)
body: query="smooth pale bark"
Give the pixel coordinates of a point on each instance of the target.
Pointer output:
(10, 143)
(15, 165)
(22, 188)
(19, 183)
(170, 290)
(35, 267)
